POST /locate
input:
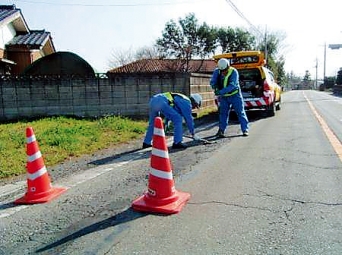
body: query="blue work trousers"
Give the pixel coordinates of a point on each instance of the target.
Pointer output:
(159, 105)
(235, 101)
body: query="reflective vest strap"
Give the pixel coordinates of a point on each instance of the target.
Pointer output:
(225, 82)
(180, 95)
(169, 97)
(231, 93)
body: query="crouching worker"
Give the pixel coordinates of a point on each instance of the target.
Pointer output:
(174, 107)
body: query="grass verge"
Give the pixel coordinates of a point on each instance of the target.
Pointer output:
(60, 138)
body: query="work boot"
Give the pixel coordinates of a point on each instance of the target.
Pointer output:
(179, 145)
(146, 145)
(220, 134)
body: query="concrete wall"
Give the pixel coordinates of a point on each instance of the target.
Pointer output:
(126, 95)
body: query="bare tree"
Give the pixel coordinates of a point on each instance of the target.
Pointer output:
(120, 57)
(148, 52)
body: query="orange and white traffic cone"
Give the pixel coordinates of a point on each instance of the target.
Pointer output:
(161, 196)
(38, 181)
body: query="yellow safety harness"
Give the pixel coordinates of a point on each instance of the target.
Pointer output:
(170, 97)
(225, 83)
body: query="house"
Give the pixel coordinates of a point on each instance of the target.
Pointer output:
(20, 46)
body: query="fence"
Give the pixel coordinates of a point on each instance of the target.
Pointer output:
(125, 95)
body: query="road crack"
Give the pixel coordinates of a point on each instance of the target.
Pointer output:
(296, 200)
(235, 205)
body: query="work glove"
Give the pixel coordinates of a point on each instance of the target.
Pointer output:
(217, 92)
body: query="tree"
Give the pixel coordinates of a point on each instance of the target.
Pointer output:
(234, 40)
(187, 40)
(120, 57)
(207, 37)
(307, 76)
(271, 45)
(282, 78)
(148, 52)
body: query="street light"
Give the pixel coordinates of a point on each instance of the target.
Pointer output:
(333, 47)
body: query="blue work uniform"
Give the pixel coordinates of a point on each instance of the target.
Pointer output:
(228, 89)
(174, 107)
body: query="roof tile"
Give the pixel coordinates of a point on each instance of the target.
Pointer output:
(7, 11)
(34, 38)
(166, 65)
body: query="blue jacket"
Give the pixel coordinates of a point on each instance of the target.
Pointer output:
(182, 105)
(217, 80)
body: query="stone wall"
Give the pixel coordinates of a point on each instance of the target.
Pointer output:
(125, 95)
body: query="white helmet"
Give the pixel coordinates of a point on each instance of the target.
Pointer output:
(196, 100)
(223, 64)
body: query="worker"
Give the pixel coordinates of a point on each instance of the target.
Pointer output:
(225, 82)
(174, 107)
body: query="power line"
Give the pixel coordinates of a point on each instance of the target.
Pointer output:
(230, 2)
(109, 5)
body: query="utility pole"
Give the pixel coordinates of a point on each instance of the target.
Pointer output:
(325, 61)
(316, 86)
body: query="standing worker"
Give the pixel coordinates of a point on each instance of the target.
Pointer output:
(225, 82)
(175, 107)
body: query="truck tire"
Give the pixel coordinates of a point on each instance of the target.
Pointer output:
(271, 110)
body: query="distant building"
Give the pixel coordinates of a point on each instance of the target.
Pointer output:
(19, 45)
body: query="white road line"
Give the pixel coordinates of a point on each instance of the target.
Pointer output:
(71, 182)
(333, 139)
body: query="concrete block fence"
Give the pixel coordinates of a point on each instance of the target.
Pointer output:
(124, 95)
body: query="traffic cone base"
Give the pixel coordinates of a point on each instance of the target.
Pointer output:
(42, 197)
(172, 205)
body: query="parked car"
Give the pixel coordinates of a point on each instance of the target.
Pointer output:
(258, 85)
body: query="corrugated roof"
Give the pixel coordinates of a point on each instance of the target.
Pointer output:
(35, 38)
(166, 65)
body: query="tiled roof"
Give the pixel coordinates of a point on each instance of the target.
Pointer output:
(6, 11)
(9, 13)
(166, 65)
(34, 38)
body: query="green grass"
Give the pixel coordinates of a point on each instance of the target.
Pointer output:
(60, 138)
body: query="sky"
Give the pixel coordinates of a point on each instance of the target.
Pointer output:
(95, 30)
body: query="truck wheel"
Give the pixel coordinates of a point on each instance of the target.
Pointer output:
(271, 110)
(278, 107)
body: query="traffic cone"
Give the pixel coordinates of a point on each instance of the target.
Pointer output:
(38, 181)
(161, 196)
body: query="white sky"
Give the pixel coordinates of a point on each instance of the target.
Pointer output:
(95, 29)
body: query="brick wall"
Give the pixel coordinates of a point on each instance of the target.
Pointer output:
(120, 95)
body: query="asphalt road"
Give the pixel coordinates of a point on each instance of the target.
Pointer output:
(277, 191)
